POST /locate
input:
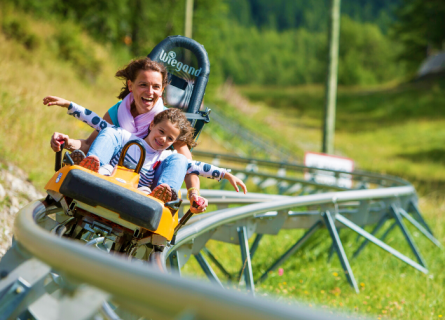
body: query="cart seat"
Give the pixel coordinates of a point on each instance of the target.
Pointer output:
(95, 191)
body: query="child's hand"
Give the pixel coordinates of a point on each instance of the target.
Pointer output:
(200, 201)
(235, 182)
(56, 101)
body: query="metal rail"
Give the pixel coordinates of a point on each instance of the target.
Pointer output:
(31, 268)
(138, 288)
(224, 224)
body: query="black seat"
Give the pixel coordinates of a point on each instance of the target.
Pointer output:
(94, 191)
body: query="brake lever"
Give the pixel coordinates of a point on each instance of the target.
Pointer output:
(58, 164)
(183, 221)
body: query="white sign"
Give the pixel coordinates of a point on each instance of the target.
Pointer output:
(325, 161)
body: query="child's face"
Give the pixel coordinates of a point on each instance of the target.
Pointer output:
(162, 135)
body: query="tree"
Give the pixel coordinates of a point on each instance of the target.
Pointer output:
(421, 30)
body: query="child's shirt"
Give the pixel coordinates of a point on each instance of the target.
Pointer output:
(152, 158)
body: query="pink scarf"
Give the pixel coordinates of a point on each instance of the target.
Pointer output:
(139, 125)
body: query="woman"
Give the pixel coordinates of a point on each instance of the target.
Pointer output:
(145, 81)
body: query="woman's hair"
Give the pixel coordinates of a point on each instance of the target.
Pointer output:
(131, 71)
(178, 118)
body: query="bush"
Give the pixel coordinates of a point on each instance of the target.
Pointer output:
(19, 30)
(71, 48)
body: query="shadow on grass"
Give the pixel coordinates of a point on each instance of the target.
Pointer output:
(433, 155)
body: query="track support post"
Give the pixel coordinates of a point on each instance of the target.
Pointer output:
(246, 262)
(174, 263)
(291, 250)
(379, 225)
(395, 212)
(205, 266)
(330, 225)
(414, 208)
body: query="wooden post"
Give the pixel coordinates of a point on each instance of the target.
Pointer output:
(331, 81)
(188, 26)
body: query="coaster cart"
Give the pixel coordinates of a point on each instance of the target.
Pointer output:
(109, 212)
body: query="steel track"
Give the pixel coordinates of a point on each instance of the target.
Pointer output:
(38, 257)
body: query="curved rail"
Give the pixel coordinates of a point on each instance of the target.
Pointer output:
(142, 289)
(125, 283)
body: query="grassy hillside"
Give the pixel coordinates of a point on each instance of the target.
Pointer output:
(29, 74)
(396, 129)
(61, 61)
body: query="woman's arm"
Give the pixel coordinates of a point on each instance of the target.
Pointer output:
(74, 144)
(191, 180)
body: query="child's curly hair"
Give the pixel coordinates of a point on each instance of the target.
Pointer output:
(178, 118)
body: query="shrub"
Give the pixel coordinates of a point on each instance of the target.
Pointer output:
(19, 30)
(72, 48)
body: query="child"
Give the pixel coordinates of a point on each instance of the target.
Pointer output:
(167, 127)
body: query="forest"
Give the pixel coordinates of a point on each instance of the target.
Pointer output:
(281, 42)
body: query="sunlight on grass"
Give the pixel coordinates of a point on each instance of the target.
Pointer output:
(391, 130)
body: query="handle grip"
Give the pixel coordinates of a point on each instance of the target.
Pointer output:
(124, 153)
(58, 164)
(185, 217)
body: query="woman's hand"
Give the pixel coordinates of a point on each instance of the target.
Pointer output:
(56, 101)
(235, 182)
(195, 197)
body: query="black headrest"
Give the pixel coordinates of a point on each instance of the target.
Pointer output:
(188, 66)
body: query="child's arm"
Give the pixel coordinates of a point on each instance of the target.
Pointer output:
(235, 182)
(212, 172)
(79, 112)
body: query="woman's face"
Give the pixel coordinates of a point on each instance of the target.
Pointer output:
(146, 88)
(162, 135)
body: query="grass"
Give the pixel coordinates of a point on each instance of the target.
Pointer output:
(27, 77)
(388, 287)
(395, 129)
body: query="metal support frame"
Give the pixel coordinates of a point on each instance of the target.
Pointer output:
(379, 225)
(291, 250)
(253, 249)
(332, 248)
(392, 226)
(415, 209)
(174, 263)
(245, 259)
(330, 225)
(419, 227)
(379, 243)
(205, 266)
(255, 245)
(395, 212)
(217, 263)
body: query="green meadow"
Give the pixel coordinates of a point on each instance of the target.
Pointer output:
(396, 129)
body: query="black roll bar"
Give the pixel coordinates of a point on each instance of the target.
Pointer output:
(203, 63)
